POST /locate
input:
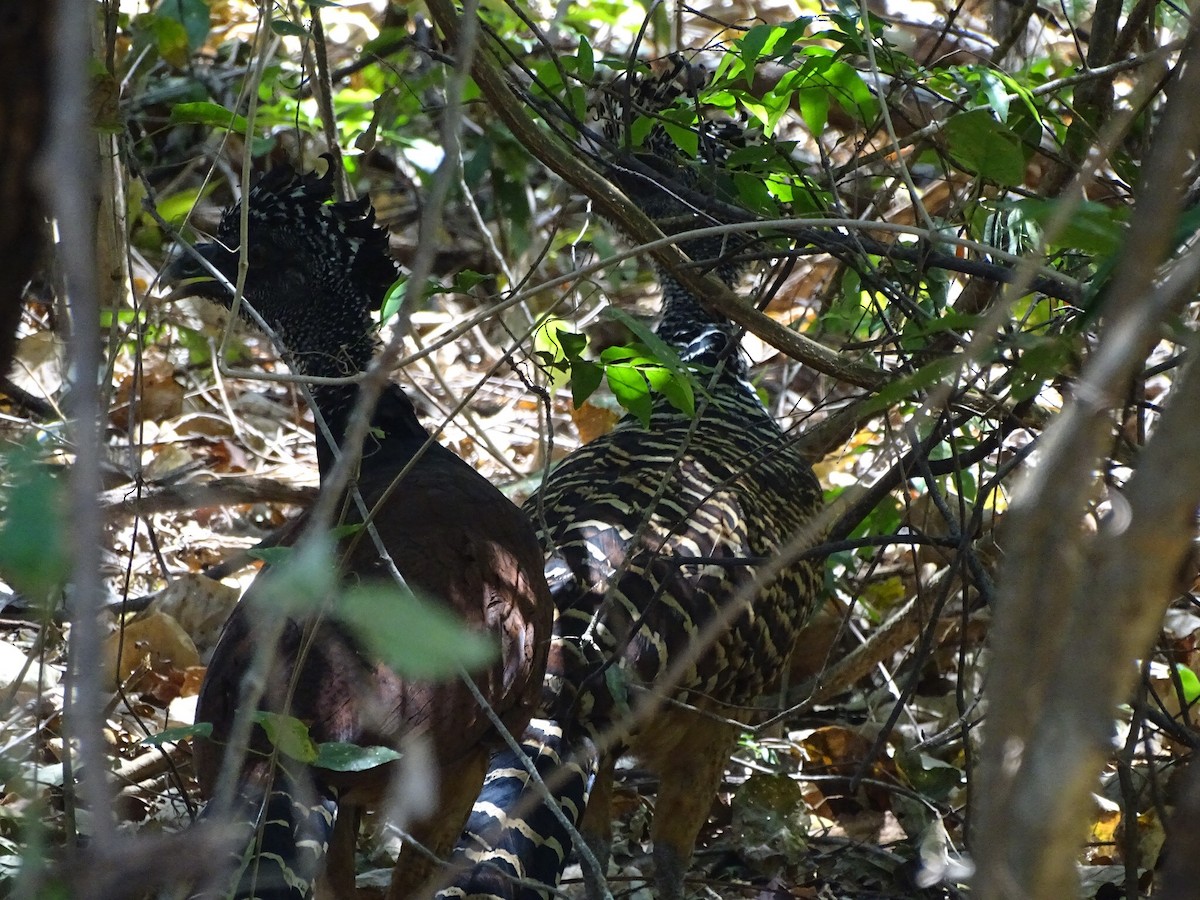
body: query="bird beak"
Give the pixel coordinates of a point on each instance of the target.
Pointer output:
(191, 271)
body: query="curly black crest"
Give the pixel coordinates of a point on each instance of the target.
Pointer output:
(286, 205)
(316, 269)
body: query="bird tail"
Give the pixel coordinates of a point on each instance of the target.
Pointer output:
(283, 839)
(516, 843)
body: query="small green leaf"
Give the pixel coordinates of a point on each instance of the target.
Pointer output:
(170, 39)
(573, 344)
(179, 733)
(416, 638)
(302, 581)
(996, 92)
(931, 777)
(193, 15)
(630, 388)
(663, 352)
(207, 113)
(678, 391)
(393, 299)
(639, 129)
(272, 556)
(758, 40)
(983, 145)
(467, 279)
(616, 681)
(754, 194)
(288, 29)
(1092, 228)
(586, 60)
(585, 379)
(345, 530)
(339, 757)
(558, 349)
(814, 108)
(288, 735)
(851, 92)
(34, 557)
(1189, 682)
(175, 207)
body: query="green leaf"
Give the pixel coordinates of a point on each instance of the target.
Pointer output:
(850, 91)
(585, 379)
(996, 92)
(178, 733)
(586, 60)
(192, 15)
(1189, 682)
(758, 41)
(288, 735)
(814, 108)
(288, 29)
(34, 556)
(639, 129)
(632, 391)
(301, 580)
(558, 349)
(272, 556)
(1045, 359)
(170, 39)
(467, 279)
(175, 207)
(207, 113)
(930, 776)
(677, 390)
(982, 145)
(393, 299)
(416, 638)
(339, 757)
(754, 194)
(685, 137)
(663, 352)
(1092, 228)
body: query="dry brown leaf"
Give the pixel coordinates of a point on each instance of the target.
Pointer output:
(200, 605)
(155, 640)
(38, 364)
(593, 421)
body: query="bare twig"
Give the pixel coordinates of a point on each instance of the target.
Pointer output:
(1074, 613)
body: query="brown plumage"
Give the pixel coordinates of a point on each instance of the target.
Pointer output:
(651, 535)
(316, 270)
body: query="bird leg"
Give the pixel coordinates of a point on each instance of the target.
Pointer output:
(688, 784)
(458, 786)
(336, 882)
(596, 827)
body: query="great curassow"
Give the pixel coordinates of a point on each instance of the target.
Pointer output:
(650, 534)
(316, 271)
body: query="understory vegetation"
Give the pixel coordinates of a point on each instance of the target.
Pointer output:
(971, 300)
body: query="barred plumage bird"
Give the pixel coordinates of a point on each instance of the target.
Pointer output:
(316, 270)
(650, 534)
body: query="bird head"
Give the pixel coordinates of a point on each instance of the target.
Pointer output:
(315, 269)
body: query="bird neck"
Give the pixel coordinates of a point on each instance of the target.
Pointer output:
(702, 338)
(321, 346)
(395, 434)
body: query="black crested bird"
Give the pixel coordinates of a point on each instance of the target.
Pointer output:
(651, 533)
(316, 271)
